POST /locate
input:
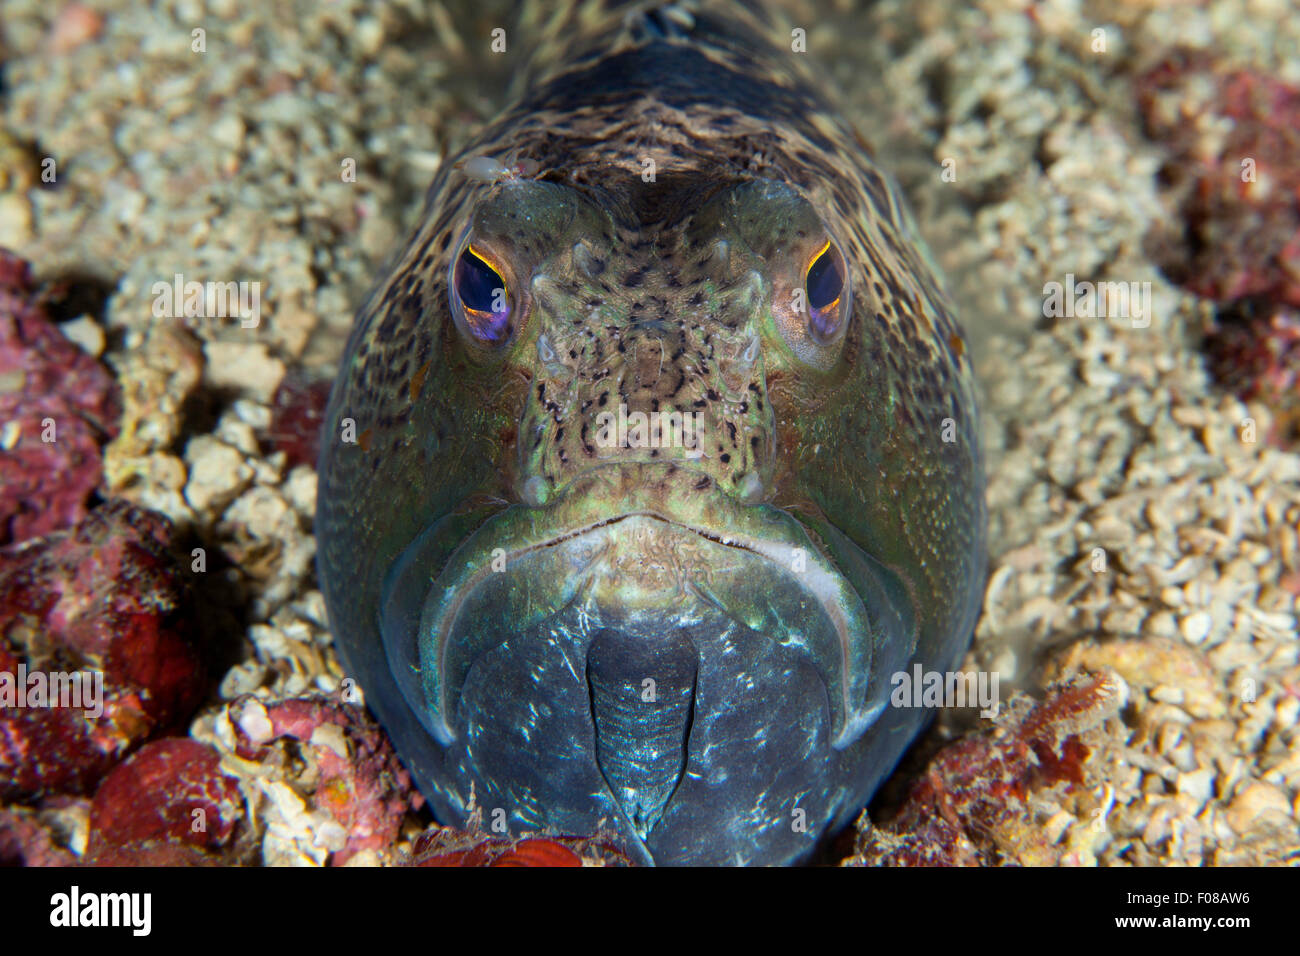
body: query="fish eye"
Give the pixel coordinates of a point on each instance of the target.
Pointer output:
(824, 282)
(483, 296)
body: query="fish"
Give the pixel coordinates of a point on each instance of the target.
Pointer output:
(653, 458)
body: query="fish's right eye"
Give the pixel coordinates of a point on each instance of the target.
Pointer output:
(482, 295)
(824, 281)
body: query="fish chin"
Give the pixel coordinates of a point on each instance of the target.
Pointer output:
(694, 674)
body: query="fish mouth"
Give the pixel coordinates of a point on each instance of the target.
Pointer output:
(639, 628)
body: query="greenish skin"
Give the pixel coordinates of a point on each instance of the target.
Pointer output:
(858, 448)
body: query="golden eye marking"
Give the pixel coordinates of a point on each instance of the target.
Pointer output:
(483, 296)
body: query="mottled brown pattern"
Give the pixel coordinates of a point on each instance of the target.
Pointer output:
(878, 438)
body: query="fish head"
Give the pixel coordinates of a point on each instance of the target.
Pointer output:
(668, 567)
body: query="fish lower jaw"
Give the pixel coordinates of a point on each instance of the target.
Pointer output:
(617, 654)
(760, 572)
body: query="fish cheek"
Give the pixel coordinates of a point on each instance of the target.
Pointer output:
(829, 442)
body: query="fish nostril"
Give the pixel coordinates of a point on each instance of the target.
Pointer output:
(722, 253)
(751, 490)
(536, 491)
(587, 260)
(549, 358)
(546, 290)
(642, 688)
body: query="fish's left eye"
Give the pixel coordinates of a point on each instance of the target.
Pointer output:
(482, 296)
(824, 282)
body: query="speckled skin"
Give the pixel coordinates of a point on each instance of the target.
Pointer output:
(663, 294)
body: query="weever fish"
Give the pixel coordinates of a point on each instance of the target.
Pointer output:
(571, 626)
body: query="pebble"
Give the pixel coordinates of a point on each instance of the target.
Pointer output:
(86, 334)
(254, 721)
(245, 367)
(217, 473)
(1198, 785)
(1195, 627)
(15, 221)
(1257, 806)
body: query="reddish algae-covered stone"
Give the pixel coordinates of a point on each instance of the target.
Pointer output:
(1236, 237)
(443, 846)
(297, 412)
(1254, 349)
(360, 781)
(103, 599)
(57, 406)
(1238, 197)
(168, 804)
(25, 840)
(971, 806)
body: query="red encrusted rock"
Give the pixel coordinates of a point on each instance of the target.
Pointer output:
(297, 411)
(971, 807)
(443, 846)
(1238, 196)
(105, 597)
(1236, 239)
(359, 782)
(169, 804)
(49, 389)
(27, 840)
(1254, 350)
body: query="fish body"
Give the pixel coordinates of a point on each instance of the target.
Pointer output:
(653, 457)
